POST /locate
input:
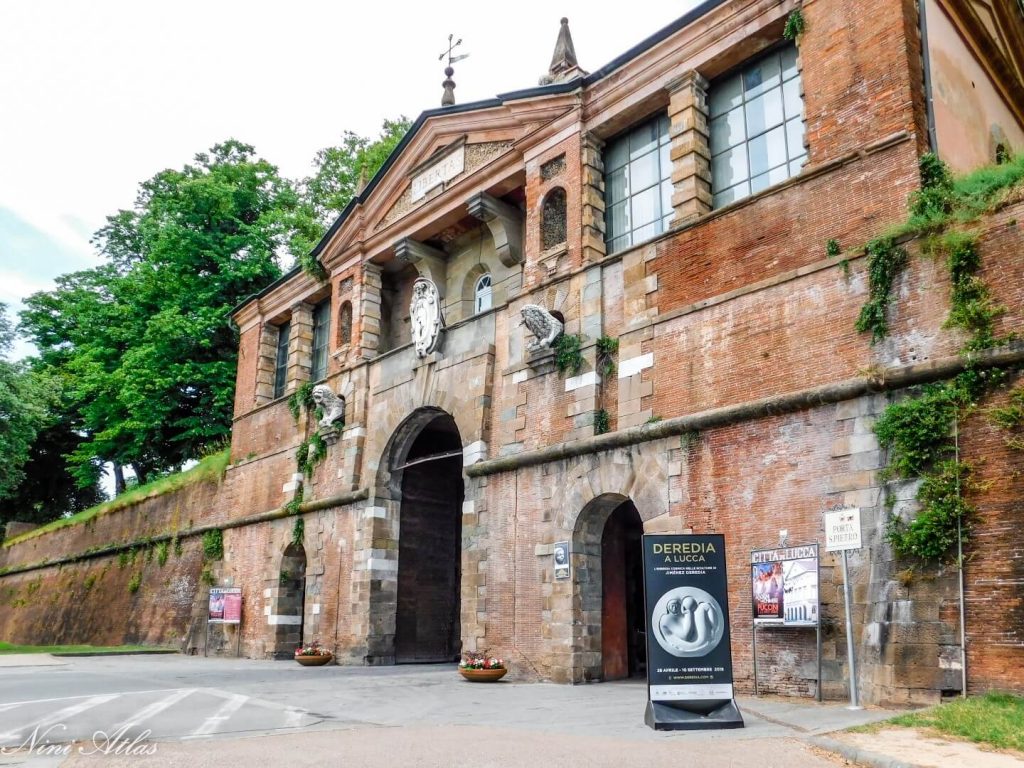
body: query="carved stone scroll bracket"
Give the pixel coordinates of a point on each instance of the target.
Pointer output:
(430, 262)
(329, 433)
(506, 224)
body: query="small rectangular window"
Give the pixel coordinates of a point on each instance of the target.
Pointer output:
(321, 323)
(281, 364)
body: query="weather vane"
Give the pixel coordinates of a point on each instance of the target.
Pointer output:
(449, 85)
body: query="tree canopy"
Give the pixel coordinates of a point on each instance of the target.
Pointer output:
(26, 403)
(139, 352)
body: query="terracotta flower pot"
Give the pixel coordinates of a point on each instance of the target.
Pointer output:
(482, 675)
(314, 661)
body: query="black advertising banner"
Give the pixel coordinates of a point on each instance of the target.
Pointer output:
(689, 655)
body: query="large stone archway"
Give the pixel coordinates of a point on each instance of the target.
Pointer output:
(416, 536)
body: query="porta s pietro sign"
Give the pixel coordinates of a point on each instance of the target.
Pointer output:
(842, 530)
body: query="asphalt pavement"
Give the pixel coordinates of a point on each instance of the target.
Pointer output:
(178, 710)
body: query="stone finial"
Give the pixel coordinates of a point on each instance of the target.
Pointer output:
(448, 99)
(361, 183)
(564, 65)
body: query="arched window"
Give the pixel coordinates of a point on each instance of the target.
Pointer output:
(483, 293)
(552, 219)
(345, 324)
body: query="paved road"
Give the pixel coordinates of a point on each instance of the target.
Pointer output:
(192, 711)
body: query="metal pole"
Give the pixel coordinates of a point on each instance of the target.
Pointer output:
(854, 701)
(960, 566)
(753, 633)
(817, 627)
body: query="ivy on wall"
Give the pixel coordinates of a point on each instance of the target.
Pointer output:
(568, 355)
(920, 431)
(213, 544)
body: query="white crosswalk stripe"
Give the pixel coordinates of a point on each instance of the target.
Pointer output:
(58, 717)
(188, 713)
(155, 708)
(227, 709)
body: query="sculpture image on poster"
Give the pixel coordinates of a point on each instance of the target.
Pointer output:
(688, 622)
(689, 656)
(784, 586)
(561, 557)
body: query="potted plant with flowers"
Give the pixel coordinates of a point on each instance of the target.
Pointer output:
(313, 655)
(482, 667)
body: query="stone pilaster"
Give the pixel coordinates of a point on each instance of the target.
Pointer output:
(690, 153)
(592, 191)
(300, 346)
(266, 365)
(369, 314)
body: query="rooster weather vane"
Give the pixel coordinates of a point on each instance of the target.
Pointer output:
(448, 99)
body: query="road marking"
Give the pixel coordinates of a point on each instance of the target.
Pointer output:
(155, 708)
(293, 717)
(228, 708)
(57, 718)
(84, 696)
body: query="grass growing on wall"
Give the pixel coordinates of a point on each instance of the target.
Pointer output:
(210, 468)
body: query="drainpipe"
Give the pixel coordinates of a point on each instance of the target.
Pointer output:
(933, 142)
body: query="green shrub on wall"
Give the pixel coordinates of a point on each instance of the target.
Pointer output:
(213, 544)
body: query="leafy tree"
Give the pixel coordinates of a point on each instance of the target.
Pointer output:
(49, 490)
(25, 402)
(143, 343)
(339, 169)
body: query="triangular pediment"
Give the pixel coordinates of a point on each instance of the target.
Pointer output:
(443, 151)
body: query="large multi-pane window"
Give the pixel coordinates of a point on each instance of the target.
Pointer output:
(281, 363)
(637, 184)
(321, 323)
(757, 127)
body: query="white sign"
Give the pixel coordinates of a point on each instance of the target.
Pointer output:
(445, 169)
(842, 530)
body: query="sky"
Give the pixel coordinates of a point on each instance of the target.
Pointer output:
(98, 96)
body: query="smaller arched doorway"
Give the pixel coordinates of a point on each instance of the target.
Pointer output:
(608, 537)
(289, 608)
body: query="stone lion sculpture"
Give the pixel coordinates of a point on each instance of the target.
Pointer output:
(332, 405)
(542, 324)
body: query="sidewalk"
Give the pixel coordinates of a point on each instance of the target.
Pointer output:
(913, 748)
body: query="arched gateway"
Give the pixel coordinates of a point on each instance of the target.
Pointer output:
(607, 547)
(422, 483)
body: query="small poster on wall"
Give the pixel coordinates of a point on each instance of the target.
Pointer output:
(561, 557)
(225, 606)
(784, 586)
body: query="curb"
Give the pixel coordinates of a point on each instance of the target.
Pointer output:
(84, 654)
(859, 756)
